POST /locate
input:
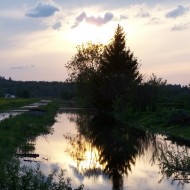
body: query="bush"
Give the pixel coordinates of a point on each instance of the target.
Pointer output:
(180, 117)
(19, 177)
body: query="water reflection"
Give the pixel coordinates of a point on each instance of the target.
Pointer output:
(106, 146)
(174, 163)
(105, 154)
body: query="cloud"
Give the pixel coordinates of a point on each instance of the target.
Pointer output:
(154, 21)
(81, 17)
(123, 17)
(57, 26)
(179, 11)
(98, 21)
(180, 27)
(43, 9)
(22, 67)
(143, 14)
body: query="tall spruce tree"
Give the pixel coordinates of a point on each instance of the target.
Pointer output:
(118, 60)
(119, 68)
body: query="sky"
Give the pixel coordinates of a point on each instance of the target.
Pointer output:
(38, 37)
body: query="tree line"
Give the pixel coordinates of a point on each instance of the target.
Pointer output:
(36, 89)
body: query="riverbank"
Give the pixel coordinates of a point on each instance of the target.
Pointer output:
(13, 103)
(174, 122)
(16, 132)
(17, 138)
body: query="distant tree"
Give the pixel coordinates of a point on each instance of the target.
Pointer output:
(155, 84)
(2, 78)
(66, 95)
(23, 93)
(148, 93)
(2, 94)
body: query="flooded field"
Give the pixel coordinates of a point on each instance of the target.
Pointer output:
(103, 155)
(14, 112)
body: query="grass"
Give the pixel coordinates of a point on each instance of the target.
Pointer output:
(16, 135)
(16, 132)
(158, 122)
(8, 103)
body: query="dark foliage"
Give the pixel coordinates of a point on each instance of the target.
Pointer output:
(103, 73)
(35, 89)
(179, 117)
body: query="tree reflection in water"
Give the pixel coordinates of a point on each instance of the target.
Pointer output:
(106, 146)
(174, 163)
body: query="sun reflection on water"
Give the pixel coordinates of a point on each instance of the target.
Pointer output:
(86, 157)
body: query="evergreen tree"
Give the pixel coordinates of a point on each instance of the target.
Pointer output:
(119, 69)
(118, 60)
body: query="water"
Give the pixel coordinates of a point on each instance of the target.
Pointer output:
(103, 155)
(15, 112)
(8, 115)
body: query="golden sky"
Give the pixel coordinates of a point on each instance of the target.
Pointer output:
(37, 38)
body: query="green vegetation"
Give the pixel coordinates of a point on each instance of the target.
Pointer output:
(171, 121)
(17, 135)
(174, 164)
(12, 103)
(25, 178)
(17, 131)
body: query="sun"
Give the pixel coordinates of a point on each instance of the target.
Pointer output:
(86, 32)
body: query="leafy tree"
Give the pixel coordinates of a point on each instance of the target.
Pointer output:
(84, 71)
(155, 84)
(103, 73)
(85, 62)
(148, 94)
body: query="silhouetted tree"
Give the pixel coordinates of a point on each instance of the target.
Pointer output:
(148, 93)
(84, 71)
(103, 73)
(119, 68)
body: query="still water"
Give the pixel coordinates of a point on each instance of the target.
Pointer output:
(102, 154)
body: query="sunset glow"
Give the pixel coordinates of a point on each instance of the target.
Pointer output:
(86, 32)
(44, 34)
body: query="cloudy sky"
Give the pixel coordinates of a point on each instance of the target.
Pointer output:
(37, 37)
